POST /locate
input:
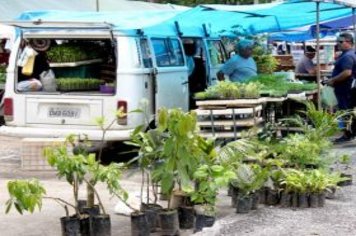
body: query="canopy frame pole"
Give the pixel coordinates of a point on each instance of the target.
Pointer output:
(318, 75)
(97, 5)
(354, 24)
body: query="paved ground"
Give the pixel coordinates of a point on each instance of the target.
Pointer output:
(338, 217)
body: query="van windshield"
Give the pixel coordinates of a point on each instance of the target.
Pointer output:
(79, 66)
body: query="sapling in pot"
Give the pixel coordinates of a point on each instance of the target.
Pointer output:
(210, 178)
(27, 195)
(178, 160)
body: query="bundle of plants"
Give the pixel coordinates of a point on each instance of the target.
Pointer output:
(307, 188)
(2, 78)
(71, 52)
(299, 151)
(230, 90)
(279, 86)
(209, 178)
(249, 179)
(2, 73)
(78, 84)
(266, 62)
(3, 68)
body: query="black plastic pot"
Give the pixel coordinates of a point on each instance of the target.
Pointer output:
(139, 224)
(244, 204)
(303, 200)
(234, 196)
(285, 200)
(203, 221)
(255, 200)
(169, 222)
(314, 200)
(229, 190)
(262, 192)
(91, 211)
(70, 226)
(100, 225)
(85, 227)
(186, 216)
(272, 197)
(151, 211)
(321, 197)
(294, 197)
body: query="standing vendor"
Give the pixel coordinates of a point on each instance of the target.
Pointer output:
(342, 78)
(241, 66)
(305, 64)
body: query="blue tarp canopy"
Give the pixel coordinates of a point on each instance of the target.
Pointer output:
(250, 20)
(202, 20)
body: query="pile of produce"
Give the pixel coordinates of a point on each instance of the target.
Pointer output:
(266, 85)
(2, 74)
(278, 86)
(71, 52)
(78, 84)
(230, 90)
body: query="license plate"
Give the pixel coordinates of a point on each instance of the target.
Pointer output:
(64, 112)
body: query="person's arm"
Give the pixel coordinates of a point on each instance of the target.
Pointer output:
(311, 70)
(347, 64)
(343, 76)
(227, 69)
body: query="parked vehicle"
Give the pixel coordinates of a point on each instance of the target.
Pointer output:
(97, 70)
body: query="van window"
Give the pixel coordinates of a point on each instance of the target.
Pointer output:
(146, 53)
(168, 52)
(216, 52)
(67, 66)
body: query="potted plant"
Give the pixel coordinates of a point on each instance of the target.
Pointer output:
(343, 166)
(210, 178)
(178, 160)
(149, 143)
(83, 167)
(249, 179)
(296, 181)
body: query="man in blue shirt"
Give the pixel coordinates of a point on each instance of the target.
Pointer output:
(343, 75)
(242, 66)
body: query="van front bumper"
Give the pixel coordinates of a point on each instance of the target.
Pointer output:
(94, 135)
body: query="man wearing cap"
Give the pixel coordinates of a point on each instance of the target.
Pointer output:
(305, 64)
(241, 66)
(342, 77)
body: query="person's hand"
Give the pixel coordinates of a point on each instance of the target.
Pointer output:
(329, 82)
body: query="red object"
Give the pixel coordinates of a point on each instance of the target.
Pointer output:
(122, 106)
(8, 109)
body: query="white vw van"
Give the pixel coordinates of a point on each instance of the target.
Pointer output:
(61, 78)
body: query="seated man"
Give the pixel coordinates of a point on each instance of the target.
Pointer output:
(305, 64)
(241, 66)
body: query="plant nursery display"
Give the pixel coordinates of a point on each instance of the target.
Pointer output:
(78, 84)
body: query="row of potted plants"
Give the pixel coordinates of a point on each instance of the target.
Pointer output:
(190, 170)
(78, 84)
(261, 85)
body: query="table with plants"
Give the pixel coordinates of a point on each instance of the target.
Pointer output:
(227, 108)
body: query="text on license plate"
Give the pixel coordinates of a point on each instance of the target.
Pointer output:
(64, 112)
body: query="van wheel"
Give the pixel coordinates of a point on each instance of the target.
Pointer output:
(2, 121)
